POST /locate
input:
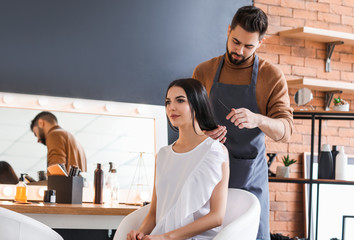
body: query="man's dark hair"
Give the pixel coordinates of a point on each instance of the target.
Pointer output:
(198, 101)
(252, 19)
(47, 116)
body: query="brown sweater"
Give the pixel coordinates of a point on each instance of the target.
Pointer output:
(271, 89)
(63, 148)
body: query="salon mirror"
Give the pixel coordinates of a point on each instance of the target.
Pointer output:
(303, 96)
(126, 134)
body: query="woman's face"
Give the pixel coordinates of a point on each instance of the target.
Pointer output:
(177, 107)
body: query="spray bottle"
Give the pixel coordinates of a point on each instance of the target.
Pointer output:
(112, 186)
(21, 190)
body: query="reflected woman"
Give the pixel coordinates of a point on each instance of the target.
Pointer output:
(191, 176)
(7, 174)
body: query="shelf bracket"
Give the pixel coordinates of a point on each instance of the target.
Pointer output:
(329, 50)
(329, 97)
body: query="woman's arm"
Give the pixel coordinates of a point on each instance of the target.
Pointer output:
(149, 221)
(213, 219)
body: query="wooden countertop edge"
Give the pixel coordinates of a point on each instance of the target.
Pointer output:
(70, 209)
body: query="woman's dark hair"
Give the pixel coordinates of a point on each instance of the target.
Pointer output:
(7, 174)
(198, 103)
(252, 19)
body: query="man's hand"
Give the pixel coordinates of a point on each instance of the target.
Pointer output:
(218, 133)
(244, 118)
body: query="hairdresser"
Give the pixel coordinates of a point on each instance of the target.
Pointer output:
(250, 100)
(62, 147)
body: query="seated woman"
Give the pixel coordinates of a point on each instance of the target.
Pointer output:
(192, 174)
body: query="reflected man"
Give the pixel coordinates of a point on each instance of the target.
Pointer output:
(61, 145)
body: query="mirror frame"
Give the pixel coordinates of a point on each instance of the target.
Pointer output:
(88, 106)
(85, 106)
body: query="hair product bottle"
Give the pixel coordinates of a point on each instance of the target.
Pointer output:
(325, 163)
(341, 165)
(334, 155)
(98, 185)
(114, 186)
(21, 190)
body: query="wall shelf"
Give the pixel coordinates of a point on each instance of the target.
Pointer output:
(319, 35)
(315, 116)
(330, 87)
(306, 180)
(324, 115)
(331, 38)
(321, 85)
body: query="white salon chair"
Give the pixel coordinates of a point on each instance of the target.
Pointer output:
(16, 226)
(241, 220)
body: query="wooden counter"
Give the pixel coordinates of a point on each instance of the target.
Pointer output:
(73, 216)
(71, 209)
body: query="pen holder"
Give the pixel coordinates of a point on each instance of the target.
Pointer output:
(68, 189)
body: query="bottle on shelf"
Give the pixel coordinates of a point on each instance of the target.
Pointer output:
(98, 185)
(325, 163)
(21, 189)
(341, 165)
(112, 186)
(334, 155)
(110, 167)
(107, 185)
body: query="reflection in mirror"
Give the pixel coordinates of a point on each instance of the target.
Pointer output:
(303, 96)
(126, 134)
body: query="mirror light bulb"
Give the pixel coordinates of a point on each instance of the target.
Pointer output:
(7, 98)
(77, 104)
(108, 107)
(41, 191)
(8, 191)
(42, 101)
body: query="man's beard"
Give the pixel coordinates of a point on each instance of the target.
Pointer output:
(234, 61)
(41, 136)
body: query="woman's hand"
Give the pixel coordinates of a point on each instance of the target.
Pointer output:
(135, 235)
(155, 237)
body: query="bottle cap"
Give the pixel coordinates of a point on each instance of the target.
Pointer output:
(341, 149)
(325, 148)
(335, 148)
(22, 178)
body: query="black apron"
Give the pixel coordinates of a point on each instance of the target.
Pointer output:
(248, 167)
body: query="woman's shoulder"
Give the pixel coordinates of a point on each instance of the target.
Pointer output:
(217, 149)
(164, 149)
(217, 145)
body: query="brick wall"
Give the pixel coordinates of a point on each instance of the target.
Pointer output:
(299, 58)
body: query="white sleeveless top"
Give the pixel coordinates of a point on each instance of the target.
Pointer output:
(184, 184)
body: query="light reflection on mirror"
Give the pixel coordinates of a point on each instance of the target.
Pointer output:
(119, 138)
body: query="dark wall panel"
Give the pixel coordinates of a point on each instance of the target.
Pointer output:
(126, 50)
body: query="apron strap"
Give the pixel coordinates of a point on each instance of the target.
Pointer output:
(217, 75)
(255, 70)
